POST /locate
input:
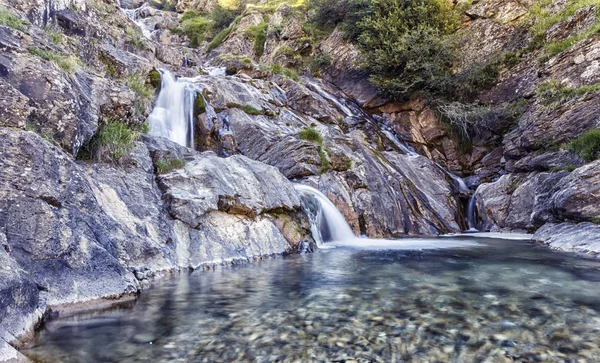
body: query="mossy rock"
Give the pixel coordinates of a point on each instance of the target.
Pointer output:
(154, 79)
(199, 105)
(231, 70)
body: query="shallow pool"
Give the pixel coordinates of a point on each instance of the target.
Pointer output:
(484, 299)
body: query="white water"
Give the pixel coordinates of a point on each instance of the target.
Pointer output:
(471, 214)
(462, 186)
(134, 15)
(326, 95)
(327, 223)
(173, 115)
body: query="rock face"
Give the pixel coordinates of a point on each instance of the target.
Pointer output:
(582, 237)
(381, 192)
(73, 233)
(528, 201)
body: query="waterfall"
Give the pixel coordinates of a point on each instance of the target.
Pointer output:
(134, 15)
(472, 214)
(173, 115)
(327, 223)
(462, 186)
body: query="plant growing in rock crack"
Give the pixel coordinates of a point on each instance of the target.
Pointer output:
(163, 167)
(135, 38)
(11, 21)
(258, 33)
(112, 142)
(138, 84)
(252, 111)
(68, 64)
(310, 134)
(553, 94)
(587, 145)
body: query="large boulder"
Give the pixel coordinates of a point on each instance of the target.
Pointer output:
(577, 197)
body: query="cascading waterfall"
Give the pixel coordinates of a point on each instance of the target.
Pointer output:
(134, 15)
(327, 223)
(173, 115)
(472, 214)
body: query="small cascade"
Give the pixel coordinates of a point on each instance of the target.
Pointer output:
(472, 214)
(327, 223)
(134, 15)
(173, 115)
(402, 146)
(326, 95)
(462, 186)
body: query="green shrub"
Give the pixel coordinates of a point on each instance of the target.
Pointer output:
(258, 33)
(195, 27)
(137, 83)
(135, 37)
(310, 134)
(277, 68)
(68, 64)
(111, 143)
(322, 60)
(163, 167)
(223, 17)
(346, 14)
(285, 51)
(10, 20)
(587, 145)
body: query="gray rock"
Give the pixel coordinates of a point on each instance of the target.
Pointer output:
(577, 196)
(583, 19)
(236, 185)
(581, 237)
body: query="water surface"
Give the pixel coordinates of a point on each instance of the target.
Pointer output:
(492, 299)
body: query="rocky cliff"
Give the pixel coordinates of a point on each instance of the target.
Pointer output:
(92, 207)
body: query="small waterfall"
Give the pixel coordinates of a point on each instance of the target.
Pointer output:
(462, 186)
(173, 115)
(340, 106)
(134, 15)
(472, 214)
(327, 223)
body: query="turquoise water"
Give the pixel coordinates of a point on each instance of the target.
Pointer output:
(491, 300)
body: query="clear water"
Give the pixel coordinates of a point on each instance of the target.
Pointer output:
(500, 300)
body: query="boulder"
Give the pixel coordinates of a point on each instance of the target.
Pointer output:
(577, 196)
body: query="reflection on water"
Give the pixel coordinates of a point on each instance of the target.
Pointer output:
(503, 300)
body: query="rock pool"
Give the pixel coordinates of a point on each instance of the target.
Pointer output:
(489, 300)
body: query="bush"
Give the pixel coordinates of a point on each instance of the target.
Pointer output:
(222, 17)
(111, 143)
(195, 29)
(587, 145)
(346, 14)
(11, 21)
(322, 60)
(405, 47)
(417, 61)
(136, 38)
(312, 135)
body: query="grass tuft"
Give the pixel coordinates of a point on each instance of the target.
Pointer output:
(312, 135)
(587, 145)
